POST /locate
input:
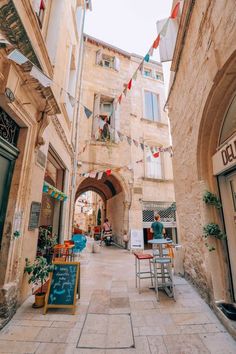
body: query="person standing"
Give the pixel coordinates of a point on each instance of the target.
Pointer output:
(157, 228)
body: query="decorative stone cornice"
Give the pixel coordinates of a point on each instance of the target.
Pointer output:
(62, 136)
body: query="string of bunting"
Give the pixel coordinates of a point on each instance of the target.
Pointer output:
(149, 54)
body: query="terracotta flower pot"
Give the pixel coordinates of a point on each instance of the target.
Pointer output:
(39, 300)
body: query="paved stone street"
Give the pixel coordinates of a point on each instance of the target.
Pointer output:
(112, 317)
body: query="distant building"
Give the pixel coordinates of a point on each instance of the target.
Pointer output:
(139, 185)
(37, 131)
(202, 110)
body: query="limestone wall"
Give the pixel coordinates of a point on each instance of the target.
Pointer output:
(208, 44)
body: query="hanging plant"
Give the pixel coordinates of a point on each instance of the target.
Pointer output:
(213, 230)
(212, 199)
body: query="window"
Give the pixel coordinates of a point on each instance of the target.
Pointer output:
(152, 106)
(107, 61)
(158, 76)
(153, 167)
(147, 72)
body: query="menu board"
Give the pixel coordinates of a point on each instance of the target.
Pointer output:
(136, 239)
(63, 286)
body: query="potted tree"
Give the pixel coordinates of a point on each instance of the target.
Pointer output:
(39, 272)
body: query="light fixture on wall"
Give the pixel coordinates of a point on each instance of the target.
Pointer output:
(9, 94)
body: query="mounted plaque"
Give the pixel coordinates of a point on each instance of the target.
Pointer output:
(34, 215)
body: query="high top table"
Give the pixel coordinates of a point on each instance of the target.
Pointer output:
(166, 267)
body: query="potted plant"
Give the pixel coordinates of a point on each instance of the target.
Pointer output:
(46, 241)
(212, 199)
(39, 272)
(215, 231)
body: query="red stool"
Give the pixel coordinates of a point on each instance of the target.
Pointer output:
(142, 274)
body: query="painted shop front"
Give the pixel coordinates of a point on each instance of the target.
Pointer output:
(224, 167)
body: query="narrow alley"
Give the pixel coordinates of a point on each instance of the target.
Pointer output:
(112, 317)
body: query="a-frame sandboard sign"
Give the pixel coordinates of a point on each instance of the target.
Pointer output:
(63, 286)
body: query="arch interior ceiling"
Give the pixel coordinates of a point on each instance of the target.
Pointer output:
(107, 187)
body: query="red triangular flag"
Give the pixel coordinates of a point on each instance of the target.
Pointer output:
(156, 42)
(108, 172)
(156, 154)
(129, 84)
(119, 99)
(175, 11)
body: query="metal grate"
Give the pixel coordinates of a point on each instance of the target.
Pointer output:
(167, 211)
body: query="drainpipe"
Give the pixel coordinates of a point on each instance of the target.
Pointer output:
(75, 162)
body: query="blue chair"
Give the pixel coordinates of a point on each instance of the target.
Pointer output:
(80, 242)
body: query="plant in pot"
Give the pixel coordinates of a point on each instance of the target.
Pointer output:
(39, 272)
(214, 230)
(46, 241)
(212, 199)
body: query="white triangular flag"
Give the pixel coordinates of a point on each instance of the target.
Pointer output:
(40, 76)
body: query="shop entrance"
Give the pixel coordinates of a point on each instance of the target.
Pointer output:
(228, 191)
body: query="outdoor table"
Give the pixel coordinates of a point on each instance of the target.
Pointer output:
(165, 272)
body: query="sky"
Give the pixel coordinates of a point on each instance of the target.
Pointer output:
(128, 24)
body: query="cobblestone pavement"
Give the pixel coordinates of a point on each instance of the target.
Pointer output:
(113, 318)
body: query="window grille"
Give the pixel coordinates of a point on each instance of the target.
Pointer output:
(167, 211)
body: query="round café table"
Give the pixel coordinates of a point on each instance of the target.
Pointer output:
(165, 267)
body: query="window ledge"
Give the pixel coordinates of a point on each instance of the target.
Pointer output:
(106, 67)
(154, 79)
(103, 143)
(159, 124)
(161, 180)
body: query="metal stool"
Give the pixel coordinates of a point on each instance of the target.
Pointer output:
(164, 273)
(142, 274)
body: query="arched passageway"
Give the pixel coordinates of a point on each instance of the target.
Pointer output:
(114, 194)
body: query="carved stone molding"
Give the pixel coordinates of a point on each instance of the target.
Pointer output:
(62, 135)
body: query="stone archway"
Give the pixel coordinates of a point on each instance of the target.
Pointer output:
(116, 196)
(216, 107)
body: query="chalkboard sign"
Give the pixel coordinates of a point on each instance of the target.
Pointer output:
(34, 215)
(63, 285)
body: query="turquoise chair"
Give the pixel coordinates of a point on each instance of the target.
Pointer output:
(80, 242)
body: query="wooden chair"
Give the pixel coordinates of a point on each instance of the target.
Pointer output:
(60, 251)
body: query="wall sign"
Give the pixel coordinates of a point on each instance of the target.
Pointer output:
(225, 157)
(34, 215)
(136, 239)
(63, 285)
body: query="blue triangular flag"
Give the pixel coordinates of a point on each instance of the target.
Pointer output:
(87, 112)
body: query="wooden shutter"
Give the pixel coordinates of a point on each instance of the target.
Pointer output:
(96, 112)
(116, 64)
(99, 57)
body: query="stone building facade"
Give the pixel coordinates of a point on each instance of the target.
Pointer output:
(202, 112)
(137, 185)
(40, 62)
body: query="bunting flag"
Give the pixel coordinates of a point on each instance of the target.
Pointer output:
(87, 112)
(142, 146)
(156, 42)
(150, 52)
(108, 172)
(149, 159)
(156, 154)
(125, 91)
(72, 100)
(140, 68)
(135, 75)
(121, 136)
(93, 174)
(100, 174)
(175, 11)
(164, 28)
(129, 84)
(147, 57)
(17, 57)
(119, 99)
(129, 140)
(40, 76)
(135, 142)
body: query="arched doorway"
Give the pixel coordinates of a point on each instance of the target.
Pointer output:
(114, 194)
(216, 158)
